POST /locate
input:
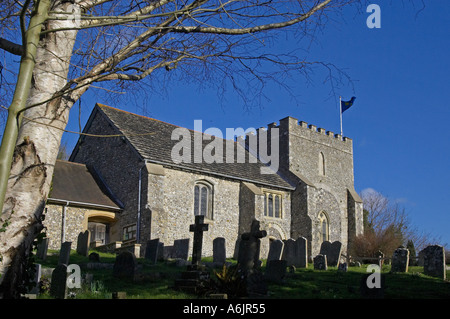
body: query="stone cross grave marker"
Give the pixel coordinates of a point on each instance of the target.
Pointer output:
(83, 243)
(219, 252)
(434, 261)
(198, 228)
(275, 250)
(249, 246)
(400, 260)
(58, 287)
(64, 253)
(152, 250)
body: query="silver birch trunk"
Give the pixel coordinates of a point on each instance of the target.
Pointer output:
(36, 150)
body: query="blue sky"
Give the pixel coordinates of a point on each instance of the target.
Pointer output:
(399, 123)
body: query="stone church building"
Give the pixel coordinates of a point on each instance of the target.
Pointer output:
(139, 192)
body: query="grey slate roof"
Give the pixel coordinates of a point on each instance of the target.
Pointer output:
(75, 183)
(152, 140)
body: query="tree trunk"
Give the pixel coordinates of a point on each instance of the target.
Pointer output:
(36, 151)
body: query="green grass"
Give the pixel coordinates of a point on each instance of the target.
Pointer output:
(156, 282)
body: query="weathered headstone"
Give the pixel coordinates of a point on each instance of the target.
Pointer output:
(58, 287)
(289, 252)
(64, 253)
(249, 247)
(219, 252)
(320, 262)
(275, 270)
(152, 250)
(125, 265)
(400, 260)
(301, 245)
(434, 261)
(275, 250)
(84, 239)
(181, 248)
(343, 267)
(94, 257)
(36, 279)
(42, 248)
(380, 256)
(332, 251)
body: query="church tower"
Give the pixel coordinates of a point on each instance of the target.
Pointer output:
(325, 205)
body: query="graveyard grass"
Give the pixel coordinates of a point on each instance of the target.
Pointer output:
(157, 281)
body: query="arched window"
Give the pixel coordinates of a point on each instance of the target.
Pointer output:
(323, 227)
(203, 199)
(321, 164)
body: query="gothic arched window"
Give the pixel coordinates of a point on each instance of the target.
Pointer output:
(203, 199)
(323, 227)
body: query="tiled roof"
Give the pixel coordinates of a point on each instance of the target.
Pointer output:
(153, 141)
(74, 183)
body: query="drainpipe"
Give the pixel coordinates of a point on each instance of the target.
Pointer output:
(63, 224)
(138, 224)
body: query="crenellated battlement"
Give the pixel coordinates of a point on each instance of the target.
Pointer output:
(291, 124)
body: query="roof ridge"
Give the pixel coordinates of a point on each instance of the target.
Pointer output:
(156, 120)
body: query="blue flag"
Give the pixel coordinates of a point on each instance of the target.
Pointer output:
(345, 105)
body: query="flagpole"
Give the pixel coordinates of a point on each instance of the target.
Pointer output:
(340, 108)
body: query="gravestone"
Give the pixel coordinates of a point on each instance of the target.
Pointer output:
(195, 278)
(181, 248)
(275, 270)
(434, 261)
(83, 243)
(301, 245)
(289, 252)
(94, 257)
(249, 247)
(248, 260)
(36, 279)
(332, 251)
(64, 253)
(275, 250)
(125, 265)
(58, 287)
(219, 252)
(320, 262)
(42, 248)
(400, 260)
(152, 250)
(343, 267)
